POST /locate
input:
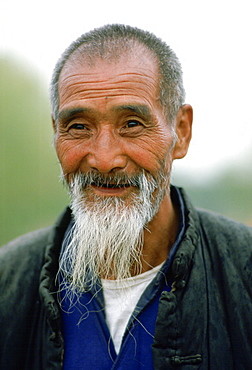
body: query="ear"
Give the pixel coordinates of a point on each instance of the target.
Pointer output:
(184, 131)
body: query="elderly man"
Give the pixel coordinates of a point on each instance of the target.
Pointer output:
(131, 276)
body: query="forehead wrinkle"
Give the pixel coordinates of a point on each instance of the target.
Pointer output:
(87, 87)
(100, 78)
(94, 94)
(89, 79)
(93, 84)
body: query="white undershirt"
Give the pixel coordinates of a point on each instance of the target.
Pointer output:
(121, 299)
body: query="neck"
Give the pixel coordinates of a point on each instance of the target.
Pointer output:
(160, 235)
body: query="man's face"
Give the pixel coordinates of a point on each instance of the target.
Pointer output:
(116, 150)
(111, 122)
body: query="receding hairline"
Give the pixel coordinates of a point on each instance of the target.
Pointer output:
(82, 56)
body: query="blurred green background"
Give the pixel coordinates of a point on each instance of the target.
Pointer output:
(31, 195)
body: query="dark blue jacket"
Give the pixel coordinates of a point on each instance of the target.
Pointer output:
(205, 322)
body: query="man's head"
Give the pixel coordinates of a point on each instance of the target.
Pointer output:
(116, 139)
(110, 43)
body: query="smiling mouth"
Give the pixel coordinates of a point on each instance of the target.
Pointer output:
(110, 186)
(114, 184)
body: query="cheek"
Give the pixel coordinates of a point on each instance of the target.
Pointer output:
(151, 156)
(69, 155)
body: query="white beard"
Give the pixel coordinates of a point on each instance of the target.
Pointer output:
(107, 237)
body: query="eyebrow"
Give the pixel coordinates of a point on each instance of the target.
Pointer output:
(66, 114)
(141, 110)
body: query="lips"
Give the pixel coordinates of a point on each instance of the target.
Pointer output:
(113, 182)
(110, 185)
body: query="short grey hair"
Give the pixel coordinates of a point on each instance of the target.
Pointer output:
(110, 42)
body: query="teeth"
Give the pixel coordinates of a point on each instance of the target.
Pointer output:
(108, 186)
(111, 186)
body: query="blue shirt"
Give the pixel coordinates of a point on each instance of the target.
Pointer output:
(88, 344)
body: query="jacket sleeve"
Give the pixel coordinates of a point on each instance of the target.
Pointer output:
(227, 249)
(20, 265)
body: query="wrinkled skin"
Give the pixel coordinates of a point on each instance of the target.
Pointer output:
(111, 121)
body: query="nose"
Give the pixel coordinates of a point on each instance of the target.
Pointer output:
(106, 153)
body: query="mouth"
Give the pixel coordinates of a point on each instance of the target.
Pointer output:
(109, 185)
(118, 185)
(110, 189)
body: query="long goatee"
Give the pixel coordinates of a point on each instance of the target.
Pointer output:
(107, 237)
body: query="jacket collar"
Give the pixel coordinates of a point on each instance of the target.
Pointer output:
(48, 287)
(180, 266)
(183, 258)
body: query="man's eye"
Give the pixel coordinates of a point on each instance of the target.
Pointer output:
(77, 126)
(131, 124)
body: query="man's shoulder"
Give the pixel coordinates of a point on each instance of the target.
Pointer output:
(22, 257)
(30, 243)
(35, 242)
(228, 242)
(217, 224)
(20, 267)
(26, 253)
